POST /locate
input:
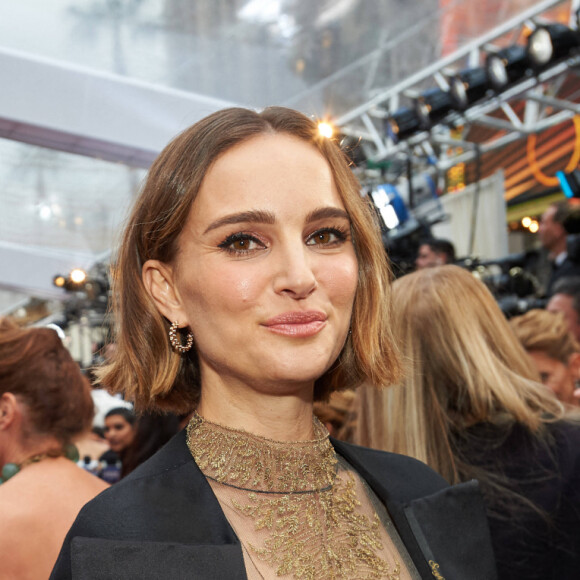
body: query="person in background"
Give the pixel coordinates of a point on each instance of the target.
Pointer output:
(553, 349)
(45, 404)
(119, 434)
(560, 220)
(472, 406)
(252, 281)
(119, 429)
(566, 299)
(435, 252)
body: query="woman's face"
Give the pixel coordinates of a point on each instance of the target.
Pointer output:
(119, 433)
(266, 273)
(555, 375)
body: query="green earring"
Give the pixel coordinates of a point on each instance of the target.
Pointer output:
(71, 452)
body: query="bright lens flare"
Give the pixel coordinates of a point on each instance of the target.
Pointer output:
(534, 227)
(78, 276)
(325, 130)
(526, 222)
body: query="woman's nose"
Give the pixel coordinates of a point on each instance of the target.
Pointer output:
(295, 276)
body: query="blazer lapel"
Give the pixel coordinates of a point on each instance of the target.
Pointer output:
(444, 529)
(181, 506)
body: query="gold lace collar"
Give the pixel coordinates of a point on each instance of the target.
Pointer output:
(239, 459)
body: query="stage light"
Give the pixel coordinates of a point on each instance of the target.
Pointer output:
(402, 124)
(326, 130)
(534, 227)
(551, 42)
(78, 276)
(526, 221)
(76, 280)
(390, 205)
(507, 66)
(432, 106)
(468, 86)
(59, 281)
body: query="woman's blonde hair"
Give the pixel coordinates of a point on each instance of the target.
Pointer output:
(462, 366)
(145, 367)
(546, 332)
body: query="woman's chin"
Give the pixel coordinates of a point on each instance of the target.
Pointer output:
(292, 382)
(302, 367)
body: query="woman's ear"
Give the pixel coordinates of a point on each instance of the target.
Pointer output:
(159, 283)
(8, 410)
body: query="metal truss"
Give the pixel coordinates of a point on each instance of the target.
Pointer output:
(542, 109)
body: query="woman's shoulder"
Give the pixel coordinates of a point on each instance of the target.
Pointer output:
(441, 519)
(42, 486)
(38, 506)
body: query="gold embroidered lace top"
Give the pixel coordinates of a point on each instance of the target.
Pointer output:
(298, 509)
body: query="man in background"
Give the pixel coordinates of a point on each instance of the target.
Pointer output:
(560, 220)
(435, 252)
(566, 299)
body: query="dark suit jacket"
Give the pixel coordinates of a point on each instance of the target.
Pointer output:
(567, 268)
(164, 521)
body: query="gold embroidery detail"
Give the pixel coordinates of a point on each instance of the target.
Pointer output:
(253, 463)
(309, 517)
(435, 570)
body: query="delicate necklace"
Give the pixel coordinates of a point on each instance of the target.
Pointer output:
(11, 469)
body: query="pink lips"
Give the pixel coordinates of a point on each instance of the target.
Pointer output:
(299, 324)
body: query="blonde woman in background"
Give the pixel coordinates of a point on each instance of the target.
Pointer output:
(472, 406)
(554, 350)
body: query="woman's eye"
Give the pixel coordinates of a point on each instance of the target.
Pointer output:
(326, 237)
(241, 244)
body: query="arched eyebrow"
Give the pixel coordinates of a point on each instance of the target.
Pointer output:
(325, 213)
(254, 216)
(265, 217)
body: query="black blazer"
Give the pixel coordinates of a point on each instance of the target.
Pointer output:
(568, 268)
(164, 521)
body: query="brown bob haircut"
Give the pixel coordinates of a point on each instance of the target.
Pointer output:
(145, 367)
(37, 368)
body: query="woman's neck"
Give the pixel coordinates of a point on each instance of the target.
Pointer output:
(21, 451)
(284, 416)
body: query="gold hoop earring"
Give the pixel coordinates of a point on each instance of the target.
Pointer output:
(175, 341)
